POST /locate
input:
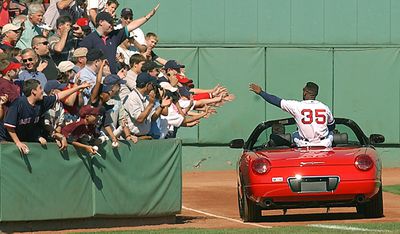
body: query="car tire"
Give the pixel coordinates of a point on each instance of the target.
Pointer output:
(373, 208)
(250, 211)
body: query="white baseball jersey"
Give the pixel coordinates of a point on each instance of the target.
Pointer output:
(312, 118)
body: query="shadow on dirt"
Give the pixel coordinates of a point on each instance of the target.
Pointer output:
(310, 217)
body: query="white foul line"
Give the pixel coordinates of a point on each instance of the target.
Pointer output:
(338, 227)
(226, 218)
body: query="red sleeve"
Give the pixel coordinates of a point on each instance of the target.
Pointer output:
(200, 96)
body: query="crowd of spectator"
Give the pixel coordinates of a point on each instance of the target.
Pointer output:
(82, 72)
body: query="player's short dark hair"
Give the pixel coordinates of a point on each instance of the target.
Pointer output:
(30, 85)
(63, 19)
(311, 88)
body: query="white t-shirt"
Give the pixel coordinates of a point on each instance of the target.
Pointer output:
(312, 118)
(96, 4)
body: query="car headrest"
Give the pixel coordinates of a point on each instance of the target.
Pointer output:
(280, 139)
(340, 139)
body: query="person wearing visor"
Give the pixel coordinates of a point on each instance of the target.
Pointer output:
(107, 39)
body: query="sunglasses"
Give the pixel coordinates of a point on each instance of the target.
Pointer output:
(28, 59)
(44, 43)
(128, 18)
(17, 31)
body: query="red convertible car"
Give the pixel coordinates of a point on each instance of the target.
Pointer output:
(275, 174)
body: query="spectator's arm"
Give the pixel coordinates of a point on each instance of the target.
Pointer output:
(63, 4)
(86, 148)
(161, 60)
(70, 91)
(110, 133)
(142, 117)
(21, 146)
(96, 88)
(59, 46)
(142, 48)
(139, 22)
(92, 15)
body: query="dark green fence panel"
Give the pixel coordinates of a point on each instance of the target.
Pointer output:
(234, 68)
(288, 69)
(367, 89)
(136, 180)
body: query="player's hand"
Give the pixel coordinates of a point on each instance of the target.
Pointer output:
(255, 88)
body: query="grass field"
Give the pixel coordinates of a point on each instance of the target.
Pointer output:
(317, 228)
(392, 189)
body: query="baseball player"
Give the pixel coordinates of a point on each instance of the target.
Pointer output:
(314, 119)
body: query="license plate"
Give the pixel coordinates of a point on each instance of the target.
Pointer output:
(317, 186)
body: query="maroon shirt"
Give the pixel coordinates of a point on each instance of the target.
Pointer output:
(9, 88)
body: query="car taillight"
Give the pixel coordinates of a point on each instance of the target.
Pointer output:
(363, 162)
(261, 166)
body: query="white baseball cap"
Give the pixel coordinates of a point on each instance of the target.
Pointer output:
(168, 86)
(9, 27)
(65, 66)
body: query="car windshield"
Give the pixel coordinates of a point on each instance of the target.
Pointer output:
(280, 134)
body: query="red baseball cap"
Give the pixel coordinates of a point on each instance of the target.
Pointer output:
(82, 22)
(183, 79)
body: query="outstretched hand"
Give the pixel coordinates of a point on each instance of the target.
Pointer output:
(255, 88)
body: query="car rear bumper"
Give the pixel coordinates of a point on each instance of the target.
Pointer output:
(346, 191)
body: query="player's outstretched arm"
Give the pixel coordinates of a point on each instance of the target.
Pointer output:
(272, 99)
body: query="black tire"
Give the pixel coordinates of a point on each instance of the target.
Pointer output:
(249, 211)
(372, 208)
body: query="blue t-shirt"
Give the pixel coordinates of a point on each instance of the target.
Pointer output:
(108, 44)
(26, 119)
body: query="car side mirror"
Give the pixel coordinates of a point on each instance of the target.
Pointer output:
(376, 138)
(236, 143)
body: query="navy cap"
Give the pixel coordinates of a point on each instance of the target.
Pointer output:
(53, 84)
(173, 64)
(126, 12)
(94, 54)
(150, 65)
(113, 79)
(104, 16)
(145, 78)
(183, 91)
(106, 88)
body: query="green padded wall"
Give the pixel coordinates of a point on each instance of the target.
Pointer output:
(235, 69)
(136, 180)
(367, 89)
(297, 22)
(288, 69)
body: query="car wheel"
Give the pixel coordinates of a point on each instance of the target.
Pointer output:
(240, 203)
(251, 212)
(373, 208)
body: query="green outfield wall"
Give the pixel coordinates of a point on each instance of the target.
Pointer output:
(135, 180)
(349, 47)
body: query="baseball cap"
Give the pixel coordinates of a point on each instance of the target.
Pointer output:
(65, 66)
(126, 12)
(150, 65)
(113, 79)
(83, 23)
(9, 27)
(145, 78)
(53, 84)
(104, 16)
(183, 91)
(45, 27)
(183, 79)
(168, 86)
(88, 110)
(80, 52)
(173, 64)
(94, 54)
